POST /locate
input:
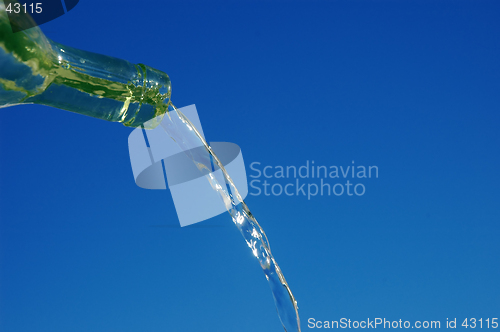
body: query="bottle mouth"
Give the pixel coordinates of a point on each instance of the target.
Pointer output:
(154, 99)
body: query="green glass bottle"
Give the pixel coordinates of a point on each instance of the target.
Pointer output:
(34, 69)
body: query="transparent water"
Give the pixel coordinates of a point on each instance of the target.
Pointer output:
(182, 131)
(74, 80)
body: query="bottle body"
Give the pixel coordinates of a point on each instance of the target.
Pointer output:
(34, 69)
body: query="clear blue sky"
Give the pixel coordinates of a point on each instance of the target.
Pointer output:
(409, 86)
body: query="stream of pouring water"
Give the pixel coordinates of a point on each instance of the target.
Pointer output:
(182, 131)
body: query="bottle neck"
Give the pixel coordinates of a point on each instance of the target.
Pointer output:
(104, 87)
(34, 69)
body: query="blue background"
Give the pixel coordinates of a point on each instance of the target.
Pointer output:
(409, 86)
